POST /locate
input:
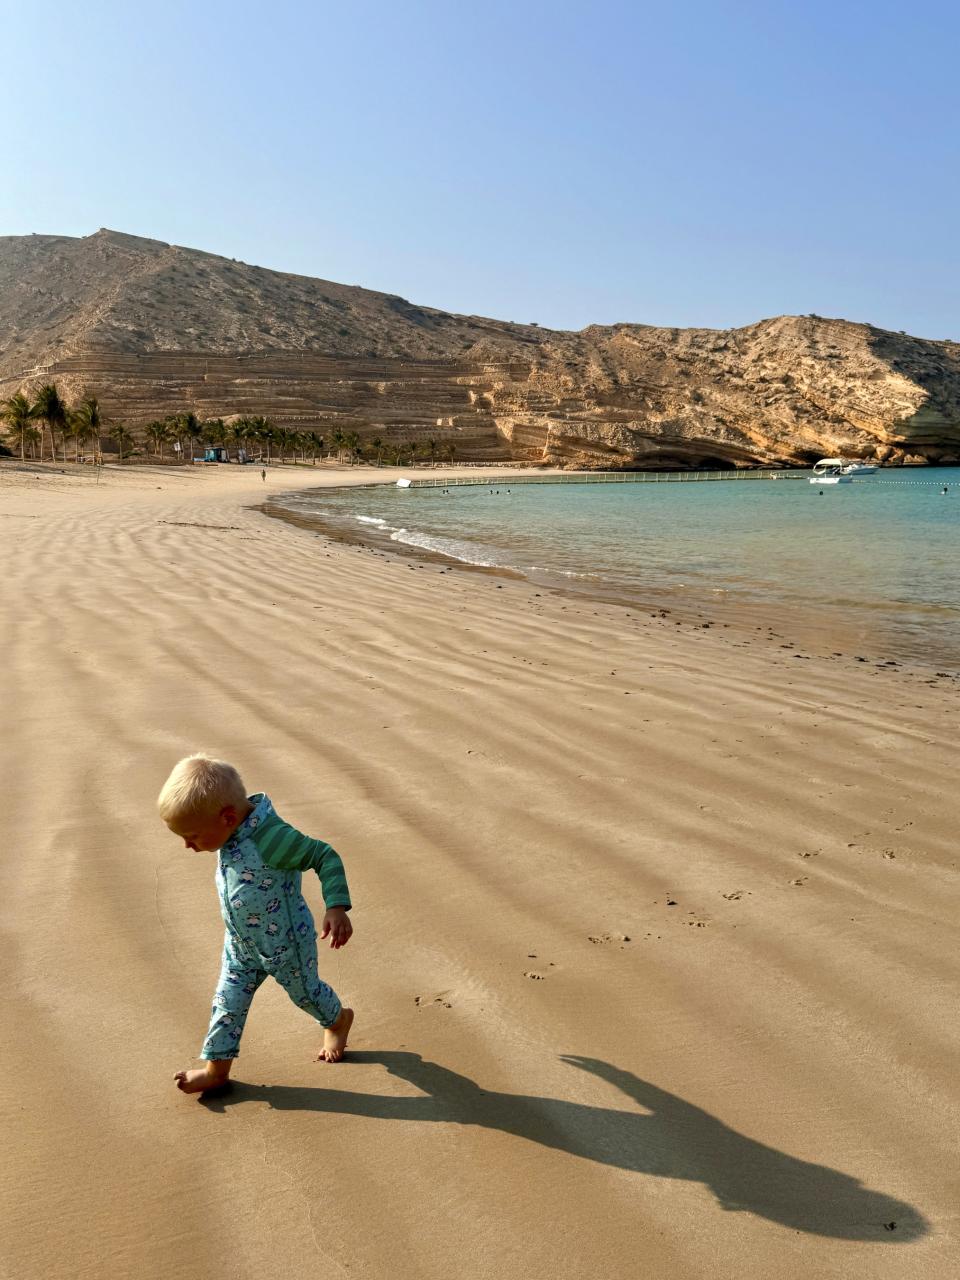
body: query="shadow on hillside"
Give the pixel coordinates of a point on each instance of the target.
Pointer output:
(670, 1138)
(923, 360)
(935, 367)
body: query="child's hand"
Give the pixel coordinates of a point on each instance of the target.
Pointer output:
(337, 924)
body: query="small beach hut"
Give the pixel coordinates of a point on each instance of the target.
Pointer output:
(215, 453)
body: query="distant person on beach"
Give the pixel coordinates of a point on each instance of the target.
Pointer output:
(263, 475)
(269, 928)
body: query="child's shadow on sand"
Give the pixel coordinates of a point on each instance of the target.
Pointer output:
(670, 1139)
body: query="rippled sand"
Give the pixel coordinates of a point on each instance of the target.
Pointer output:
(655, 958)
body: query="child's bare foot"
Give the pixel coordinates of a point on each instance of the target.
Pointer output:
(213, 1076)
(335, 1038)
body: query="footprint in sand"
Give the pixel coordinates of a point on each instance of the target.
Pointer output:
(424, 1002)
(532, 973)
(695, 923)
(601, 939)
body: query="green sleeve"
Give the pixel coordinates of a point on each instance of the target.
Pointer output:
(286, 849)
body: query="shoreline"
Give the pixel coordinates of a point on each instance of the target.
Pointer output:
(778, 628)
(659, 927)
(785, 624)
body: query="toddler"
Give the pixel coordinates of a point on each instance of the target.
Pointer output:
(269, 928)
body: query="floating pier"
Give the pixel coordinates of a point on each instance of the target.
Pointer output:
(601, 477)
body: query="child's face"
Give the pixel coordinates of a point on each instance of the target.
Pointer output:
(205, 832)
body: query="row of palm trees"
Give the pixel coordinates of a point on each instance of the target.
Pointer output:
(271, 442)
(185, 432)
(28, 424)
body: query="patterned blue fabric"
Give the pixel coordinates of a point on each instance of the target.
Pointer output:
(269, 931)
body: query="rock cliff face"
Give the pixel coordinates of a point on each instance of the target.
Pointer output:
(154, 329)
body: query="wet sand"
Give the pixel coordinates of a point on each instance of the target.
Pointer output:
(655, 952)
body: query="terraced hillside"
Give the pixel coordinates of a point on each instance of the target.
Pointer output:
(153, 329)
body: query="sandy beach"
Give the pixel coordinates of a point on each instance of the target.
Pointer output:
(655, 957)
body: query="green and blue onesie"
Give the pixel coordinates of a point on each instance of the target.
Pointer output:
(269, 928)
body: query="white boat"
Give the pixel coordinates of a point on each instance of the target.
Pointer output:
(858, 469)
(827, 469)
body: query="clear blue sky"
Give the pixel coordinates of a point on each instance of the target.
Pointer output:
(691, 163)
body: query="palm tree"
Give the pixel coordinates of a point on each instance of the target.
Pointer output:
(237, 432)
(33, 439)
(282, 438)
(338, 438)
(50, 408)
(86, 423)
(77, 430)
(422, 447)
(270, 435)
(255, 432)
(214, 431)
(175, 432)
(17, 413)
(316, 443)
(192, 430)
(253, 437)
(91, 408)
(159, 433)
(259, 429)
(121, 436)
(377, 444)
(352, 441)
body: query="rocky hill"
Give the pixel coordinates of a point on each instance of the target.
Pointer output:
(154, 329)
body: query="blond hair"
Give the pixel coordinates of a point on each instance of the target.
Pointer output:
(200, 784)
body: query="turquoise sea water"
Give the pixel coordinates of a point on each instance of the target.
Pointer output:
(874, 563)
